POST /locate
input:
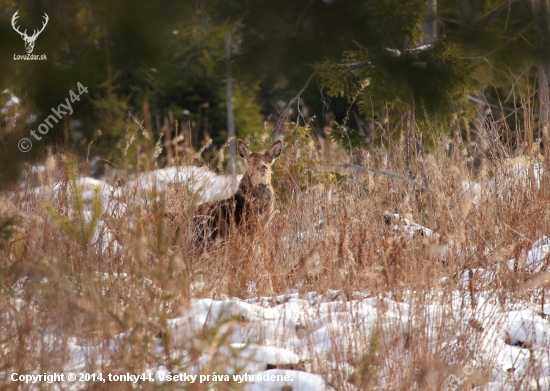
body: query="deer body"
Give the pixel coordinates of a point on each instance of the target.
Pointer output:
(249, 209)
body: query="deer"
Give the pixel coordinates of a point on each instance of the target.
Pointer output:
(246, 212)
(29, 41)
(249, 209)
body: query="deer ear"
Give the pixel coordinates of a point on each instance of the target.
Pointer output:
(276, 149)
(244, 150)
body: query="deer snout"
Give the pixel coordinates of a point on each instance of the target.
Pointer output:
(263, 168)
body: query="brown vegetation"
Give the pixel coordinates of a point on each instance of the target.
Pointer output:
(330, 237)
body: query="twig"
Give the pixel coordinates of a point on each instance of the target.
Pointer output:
(515, 82)
(286, 113)
(512, 111)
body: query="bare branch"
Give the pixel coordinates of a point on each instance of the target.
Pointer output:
(285, 116)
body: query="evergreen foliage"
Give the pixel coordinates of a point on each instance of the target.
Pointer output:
(78, 224)
(498, 39)
(394, 74)
(171, 55)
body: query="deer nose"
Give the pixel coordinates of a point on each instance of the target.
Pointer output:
(262, 168)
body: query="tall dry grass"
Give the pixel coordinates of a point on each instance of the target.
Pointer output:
(60, 286)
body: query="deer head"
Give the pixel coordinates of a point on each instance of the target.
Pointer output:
(259, 163)
(29, 41)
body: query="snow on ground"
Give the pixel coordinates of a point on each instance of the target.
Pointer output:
(472, 191)
(272, 343)
(528, 172)
(511, 175)
(535, 259)
(402, 224)
(206, 185)
(88, 187)
(271, 347)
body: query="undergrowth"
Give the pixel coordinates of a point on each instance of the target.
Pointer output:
(82, 269)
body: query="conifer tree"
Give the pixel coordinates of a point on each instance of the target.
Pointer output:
(509, 43)
(403, 75)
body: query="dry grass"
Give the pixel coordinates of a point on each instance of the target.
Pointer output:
(329, 235)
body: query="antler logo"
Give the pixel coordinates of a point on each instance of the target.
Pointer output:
(29, 41)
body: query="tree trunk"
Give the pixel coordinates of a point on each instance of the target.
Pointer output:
(431, 22)
(541, 22)
(467, 12)
(229, 98)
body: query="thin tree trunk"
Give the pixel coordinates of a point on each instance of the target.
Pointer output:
(467, 11)
(229, 98)
(431, 22)
(410, 139)
(541, 22)
(167, 129)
